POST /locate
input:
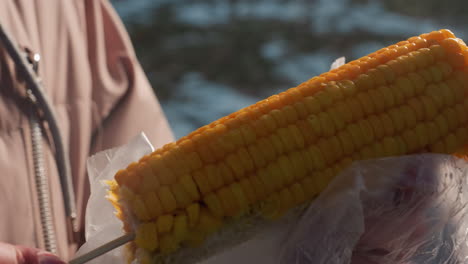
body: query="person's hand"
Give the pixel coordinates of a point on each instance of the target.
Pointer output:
(10, 254)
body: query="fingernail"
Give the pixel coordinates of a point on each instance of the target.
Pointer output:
(49, 258)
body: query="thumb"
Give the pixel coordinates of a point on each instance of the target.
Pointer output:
(10, 254)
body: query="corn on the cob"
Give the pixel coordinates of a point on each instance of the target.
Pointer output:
(410, 97)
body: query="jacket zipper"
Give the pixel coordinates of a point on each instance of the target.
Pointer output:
(42, 186)
(40, 176)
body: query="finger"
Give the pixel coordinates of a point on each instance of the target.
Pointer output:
(35, 256)
(10, 254)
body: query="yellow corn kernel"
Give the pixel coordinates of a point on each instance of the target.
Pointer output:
(259, 187)
(273, 177)
(417, 81)
(248, 133)
(189, 186)
(310, 187)
(451, 117)
(387, 72)
(327, 125)
(286, 199)
(378, 149)
(164, 223)
(290, 114)
(201, 145)
(398, 95)
(296, 135)
(298, 193)
(367, 152)
(245, 159)
(228, 201)
(367, 131)
(324, 97)
(456, 88)
(344, 112)
(168, 244)
(315, 125)
(390, 146)
(426, 75)
(433, 132)
(346, 142)
(450, 143)
(193, 214)
(355, 108)
(442, 124)
(312, 104)
(153, 205)
(378, 99)
(363, 82)
(181, 229)
(347, 87)
(411, 140)
(239, 194)
(438, 147)
(146, 236)
(270, 177)
(403, 148)
(148, 180)
(356, 134)
(338, 121)
(225, 173)
(258, 159)
(298, 163)
(286, 169)
(271, 206)
(462, 135)
(193, 161)
(139, 209)
(406, 86)
(388, 96)
(366, 103)
(447, 93)
(418, 107)
(235, 163)
(461, 114)
(167, 199)
(325, 149)
(182, 198)
(248, 190)
(267, 148)
(430, 110)
(397, 119)
(377, 127)
(214, 204)
(409, 116)
(301, 110)
(279, 117)
(422, 134)
(276, 143)
(164, 174)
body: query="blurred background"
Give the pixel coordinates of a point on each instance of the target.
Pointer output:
(208, 58)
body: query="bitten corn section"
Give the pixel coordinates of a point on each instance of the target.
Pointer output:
(410, 97)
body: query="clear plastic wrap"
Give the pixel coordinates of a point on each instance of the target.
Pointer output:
(102, 225)
(410, 209)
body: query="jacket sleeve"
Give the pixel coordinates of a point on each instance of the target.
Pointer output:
(125, 103)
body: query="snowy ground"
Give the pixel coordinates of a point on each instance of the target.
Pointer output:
(199, 101)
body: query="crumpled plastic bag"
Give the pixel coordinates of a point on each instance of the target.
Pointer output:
(410, 209)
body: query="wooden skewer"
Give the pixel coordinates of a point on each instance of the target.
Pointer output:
(103, 249)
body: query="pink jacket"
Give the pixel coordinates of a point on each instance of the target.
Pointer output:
(101, 98)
